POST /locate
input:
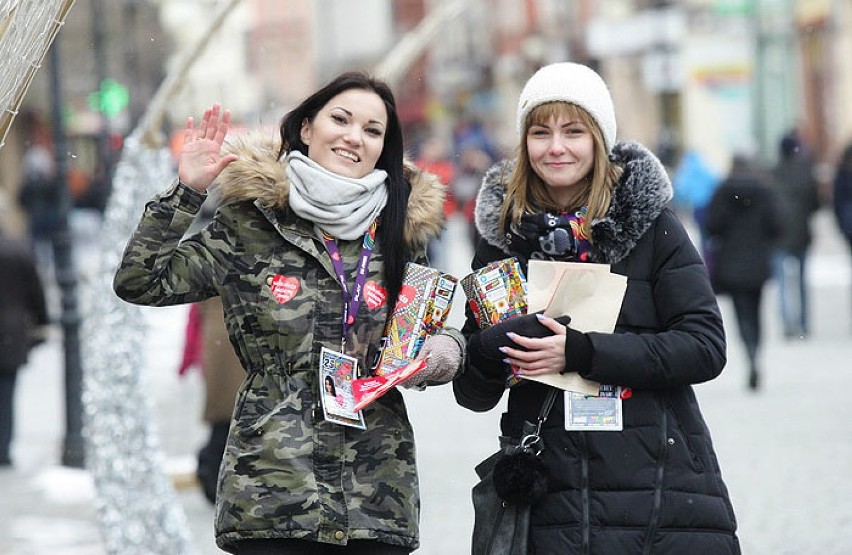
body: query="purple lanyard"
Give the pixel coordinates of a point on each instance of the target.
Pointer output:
(351, 301)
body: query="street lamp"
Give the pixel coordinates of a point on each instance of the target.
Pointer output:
(66, 278)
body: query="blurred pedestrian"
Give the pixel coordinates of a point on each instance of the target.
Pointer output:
(39, 196)
(744, 224)
(23, 321)
(798, 200)
(307, 230)
(694, 183)
(471, 133)
(208, 348)
(433, 159)
(574, 194)
(842, 194)
(473, 163)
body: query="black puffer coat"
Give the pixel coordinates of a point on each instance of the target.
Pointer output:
(656, 486)
(23, 309)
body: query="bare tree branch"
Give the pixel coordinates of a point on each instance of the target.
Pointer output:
(393, 67)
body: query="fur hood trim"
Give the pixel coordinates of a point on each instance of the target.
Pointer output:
(258, 176)
(640, 196)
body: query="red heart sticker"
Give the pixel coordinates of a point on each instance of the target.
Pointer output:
(375, 295)
(284, 288)
(406, 295)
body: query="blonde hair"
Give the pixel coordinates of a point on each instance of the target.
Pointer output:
(527, 193)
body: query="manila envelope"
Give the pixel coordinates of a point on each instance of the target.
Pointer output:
(589, 293)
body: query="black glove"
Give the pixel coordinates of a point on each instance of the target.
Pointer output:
(491, 339)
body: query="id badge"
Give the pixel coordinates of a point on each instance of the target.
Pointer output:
(336, 374)
(594, 413)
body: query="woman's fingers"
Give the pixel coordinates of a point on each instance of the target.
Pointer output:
(545, 355)
(224, 161)
(551, 324)
(205, 123)
(189, 130)
(222, 128)
(529, 343)
(212, 122)
(201, 160)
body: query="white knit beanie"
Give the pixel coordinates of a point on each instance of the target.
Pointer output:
(574, 83)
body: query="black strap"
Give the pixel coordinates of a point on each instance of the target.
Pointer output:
(532, 442)
(545, 408)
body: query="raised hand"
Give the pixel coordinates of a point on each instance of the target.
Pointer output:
(201, 161)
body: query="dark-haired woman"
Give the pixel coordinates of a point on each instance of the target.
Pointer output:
(307, 252)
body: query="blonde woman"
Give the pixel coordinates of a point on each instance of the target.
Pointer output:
(573, 193)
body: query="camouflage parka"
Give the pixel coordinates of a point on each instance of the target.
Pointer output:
(287, 473)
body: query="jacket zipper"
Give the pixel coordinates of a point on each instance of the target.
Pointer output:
(658, 487)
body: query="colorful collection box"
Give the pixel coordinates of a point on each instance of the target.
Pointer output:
(421, 310)
(496, 292)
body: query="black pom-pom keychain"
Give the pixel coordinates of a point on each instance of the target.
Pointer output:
(520, 477)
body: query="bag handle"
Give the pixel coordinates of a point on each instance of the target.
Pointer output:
(532, 442)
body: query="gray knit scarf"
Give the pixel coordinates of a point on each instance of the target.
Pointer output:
(342, 206)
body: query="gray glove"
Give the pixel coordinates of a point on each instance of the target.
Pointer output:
(443, 356)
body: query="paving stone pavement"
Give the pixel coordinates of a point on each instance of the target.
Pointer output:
(784, 451)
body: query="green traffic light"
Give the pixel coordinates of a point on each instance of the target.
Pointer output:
(110, 99)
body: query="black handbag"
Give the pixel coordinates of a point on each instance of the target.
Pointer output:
(510, 481)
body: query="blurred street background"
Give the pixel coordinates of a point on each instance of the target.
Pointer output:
(696, 81)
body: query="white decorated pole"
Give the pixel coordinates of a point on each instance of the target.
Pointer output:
(138, 509)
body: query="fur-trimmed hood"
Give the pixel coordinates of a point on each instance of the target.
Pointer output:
(640, 196)
(259, 176)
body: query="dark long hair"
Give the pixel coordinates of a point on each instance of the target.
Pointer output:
(392, 220)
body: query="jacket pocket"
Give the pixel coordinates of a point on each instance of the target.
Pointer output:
(243, 393)
(677, 436)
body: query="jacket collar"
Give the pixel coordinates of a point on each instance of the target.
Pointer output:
(258, 176)
(640, 196)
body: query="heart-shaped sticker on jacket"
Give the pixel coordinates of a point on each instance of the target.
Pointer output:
(284, 288)
(375, 295)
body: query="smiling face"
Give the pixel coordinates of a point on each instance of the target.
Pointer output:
(347, 135)
(561, 151)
